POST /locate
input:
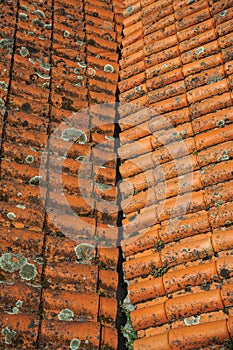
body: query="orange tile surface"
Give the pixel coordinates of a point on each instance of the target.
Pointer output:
(58, 283)
(175, 150)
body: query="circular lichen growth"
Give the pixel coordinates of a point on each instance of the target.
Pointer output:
(66, 315)
(74, 344)
(108, 68)
(29, 159)
(85, 252)
(24, 51)
(28, 272)
(12, 262)
(129, 10)
(74, 135)
(66, 34)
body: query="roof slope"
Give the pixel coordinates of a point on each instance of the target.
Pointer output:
(58, 57)
(176, 149)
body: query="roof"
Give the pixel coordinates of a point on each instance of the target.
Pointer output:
(58, 283)
(176, 141)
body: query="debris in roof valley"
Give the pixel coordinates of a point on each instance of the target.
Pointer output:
(116, 174)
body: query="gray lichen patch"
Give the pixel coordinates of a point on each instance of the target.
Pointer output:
(28, 272)
(12, 262)
(66, 315)
(84, 252)
(129, 10)
(108, 68)
(9, 335)
(2, 106)
(82, 159)
(74, 135)
(199, 50)
(75, 344)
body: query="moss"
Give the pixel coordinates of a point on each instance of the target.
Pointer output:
(159, 271)
(74, 344)
(28, 272)
(159, 245)
(66, 315)
(228, 343)
(12, 262)
(128, 332)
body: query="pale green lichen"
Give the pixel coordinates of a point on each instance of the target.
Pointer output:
(108, 68)
(38, 13)
(29, 159)
(192, 320)
(28, 272)
(45, 65)
(20, 206)
(84, 252)
(24, 51)
(82, 64)
(19, 303)
(74, 135)
(23, 17)
(11, 216)
(82, 159)
(66, 315)
(35, 180)
(130, 9)
(42, 76)
(12, 262)
(199, 50)
(103, 187)
(74, 344)
(9, 335)
(66, 34)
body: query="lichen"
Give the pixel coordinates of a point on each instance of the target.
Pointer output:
(66, 34)
(82, 64)
(9, 335)
(29, 159)
(74, 344)
(28, 272)
(103, 187)
(12, 262)
(20, 206)
(38, 13)
(108, 68)
(66, 315)
(130, 9)
(82, 159)
(35, 180)
(192, 320)
(199, 50)
(3, 85)
(84, 252)
(24, 51)
(23, 17)
(19, 303)
(91, 72)
(11, 216)
(6, 43)
(45, 65)
(74, 135)
(43, 76)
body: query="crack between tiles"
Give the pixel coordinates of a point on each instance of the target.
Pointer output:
(45, 229)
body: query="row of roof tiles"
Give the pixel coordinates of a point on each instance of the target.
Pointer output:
(175, 148)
